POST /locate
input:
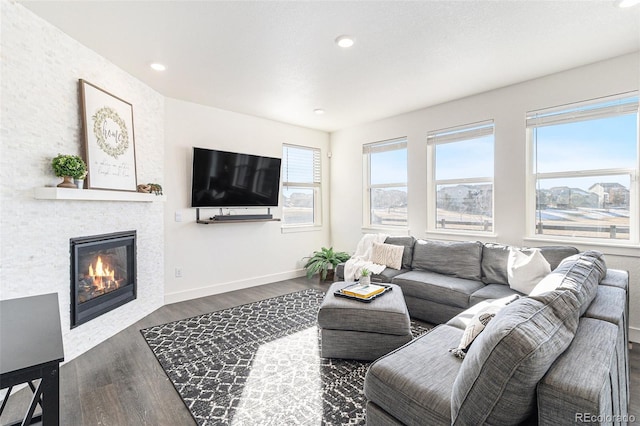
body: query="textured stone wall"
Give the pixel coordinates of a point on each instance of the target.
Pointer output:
(41, 117)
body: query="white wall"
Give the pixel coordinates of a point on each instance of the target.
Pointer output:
(41, 118)
(220, 257)
(507, 106)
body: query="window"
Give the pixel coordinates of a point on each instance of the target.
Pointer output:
(385, 198)
(462, 176)
(301, 186)
(584, 169)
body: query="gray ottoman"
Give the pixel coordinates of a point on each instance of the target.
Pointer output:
(364, 331)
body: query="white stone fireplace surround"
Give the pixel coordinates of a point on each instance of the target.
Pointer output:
(40, 118)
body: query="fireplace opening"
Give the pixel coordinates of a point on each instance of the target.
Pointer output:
(103, 274)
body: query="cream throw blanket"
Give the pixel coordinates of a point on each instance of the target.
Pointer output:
(362, 257)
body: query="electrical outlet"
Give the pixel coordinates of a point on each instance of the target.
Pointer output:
(178, 272)
(178, 217)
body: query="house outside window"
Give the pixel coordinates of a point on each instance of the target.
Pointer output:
(301, 186)
(584, 170)
(385, 188)
(462, 178)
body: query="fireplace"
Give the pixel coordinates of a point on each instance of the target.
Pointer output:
(103, 274)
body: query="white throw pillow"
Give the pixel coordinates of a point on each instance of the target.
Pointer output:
(387, 254)
(474, 328)
(525, 269)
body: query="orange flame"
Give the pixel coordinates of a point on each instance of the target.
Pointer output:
(101, 272)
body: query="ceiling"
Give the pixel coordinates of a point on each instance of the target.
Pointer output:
(278, 59)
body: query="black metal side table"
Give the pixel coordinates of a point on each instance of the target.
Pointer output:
(31, 349)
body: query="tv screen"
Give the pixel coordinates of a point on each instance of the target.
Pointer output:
(230, 179)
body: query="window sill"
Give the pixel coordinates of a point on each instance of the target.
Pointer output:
(400, 230)
(457, 234)
(612, 248)
(302, 228)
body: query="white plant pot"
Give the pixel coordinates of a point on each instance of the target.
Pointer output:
(365, 280)
(79, 183)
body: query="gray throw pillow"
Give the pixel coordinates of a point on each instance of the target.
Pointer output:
(497, 380)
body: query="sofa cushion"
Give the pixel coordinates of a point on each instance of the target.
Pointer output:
(460, 259)
(407, 243)
(556, 254)
(494, 263)
(436, 287)
(608, 305)
(387, 275)
(592, 388)
(413, 383)
(495, 256)
(580, 274)
(491, 291)
(387, 254)
(497, 381)
(525, 269)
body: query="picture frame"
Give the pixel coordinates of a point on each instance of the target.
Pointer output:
(109, 139)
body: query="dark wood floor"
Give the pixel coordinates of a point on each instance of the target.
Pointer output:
(119, 382)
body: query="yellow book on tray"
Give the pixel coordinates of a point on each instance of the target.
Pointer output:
(363, 290)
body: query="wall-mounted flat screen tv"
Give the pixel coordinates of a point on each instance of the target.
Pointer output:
(231, 179)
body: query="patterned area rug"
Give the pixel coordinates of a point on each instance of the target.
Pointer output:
(259, 364)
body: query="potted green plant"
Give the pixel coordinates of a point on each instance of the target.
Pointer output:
(69, 167)
(323, 262)
(365, 276)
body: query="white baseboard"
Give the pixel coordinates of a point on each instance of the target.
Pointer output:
(181, 296)
(634, 335)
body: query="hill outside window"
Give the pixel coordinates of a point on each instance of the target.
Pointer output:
(301, 185)
(385, 178)
(462, 178)
(584, 170)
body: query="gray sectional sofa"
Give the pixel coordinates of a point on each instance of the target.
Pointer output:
(556, 357)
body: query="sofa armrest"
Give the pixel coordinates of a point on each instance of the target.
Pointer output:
(582, 386)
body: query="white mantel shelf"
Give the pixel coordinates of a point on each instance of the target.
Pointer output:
(54, 193)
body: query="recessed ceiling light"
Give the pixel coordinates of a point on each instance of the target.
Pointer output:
(345, 41)
(158, 67)
(319, 111)
(626, 3)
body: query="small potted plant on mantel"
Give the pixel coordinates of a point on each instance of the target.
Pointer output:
(69, 167)
(323, 262)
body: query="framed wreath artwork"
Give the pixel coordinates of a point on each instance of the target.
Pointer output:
(109, 139)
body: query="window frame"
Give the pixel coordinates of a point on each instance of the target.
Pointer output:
(315, 186)
(462, 133)
(371, 148)
(575, 112)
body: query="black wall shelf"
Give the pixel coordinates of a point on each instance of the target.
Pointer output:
(218, 219)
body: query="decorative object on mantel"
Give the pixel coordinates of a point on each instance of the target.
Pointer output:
(68, 167)
(80, 181)
(149, 188)
(324, 262)
(109, 139)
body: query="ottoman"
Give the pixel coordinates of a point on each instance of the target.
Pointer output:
(352, 329)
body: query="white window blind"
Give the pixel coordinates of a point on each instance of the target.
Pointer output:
(460, 133)
(610, 106)
(385, 146)
(300, 166)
